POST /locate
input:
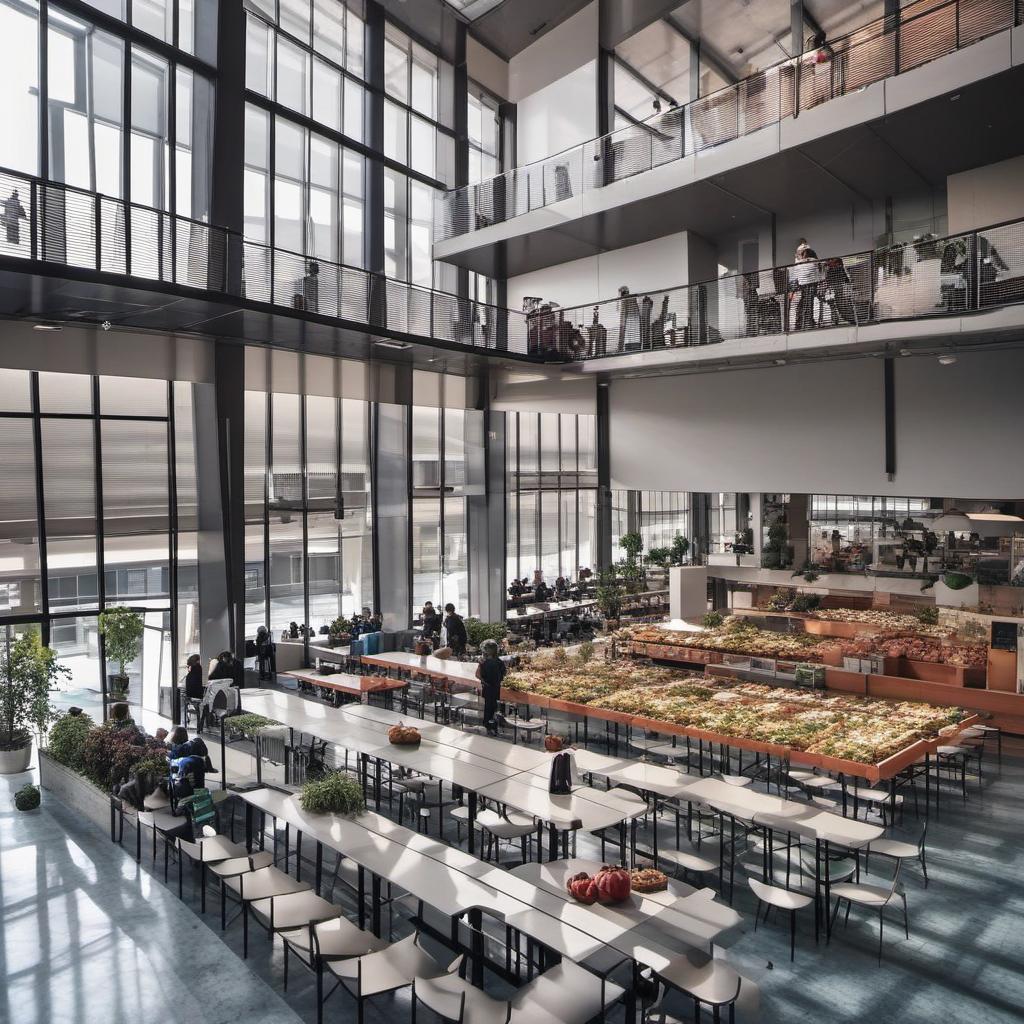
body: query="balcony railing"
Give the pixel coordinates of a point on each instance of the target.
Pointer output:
(926, 30)
(74, 228)
(928, 277)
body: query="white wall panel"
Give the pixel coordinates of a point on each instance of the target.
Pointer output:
(819, 428)
(986, 195)
(558, 116)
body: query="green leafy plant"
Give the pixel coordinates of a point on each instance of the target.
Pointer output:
(659, 556)
(712, 620)
(775, 552)
(632, 543)
(811, 575)
(780, 600)
(585, 652)
(340, 626)
(957, 580)
(928, 616)
(249, 725)
(153, 766)
(27, 798)
(678, 550)
(609, 600)
(805, 602)
(28, 672)
(560, 655)
(122, 631)
(109, 755)
(478, 631)
(335, 793)
(67, 735)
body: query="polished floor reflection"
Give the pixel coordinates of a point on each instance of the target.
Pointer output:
(89, 937)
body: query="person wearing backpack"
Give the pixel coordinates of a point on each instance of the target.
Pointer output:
(455, 630)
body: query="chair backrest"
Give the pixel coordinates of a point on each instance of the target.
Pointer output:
(201, 810)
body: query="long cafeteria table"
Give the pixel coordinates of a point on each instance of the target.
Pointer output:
(457, 884)
(480, 765)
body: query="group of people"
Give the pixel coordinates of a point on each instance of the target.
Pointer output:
(225, 666)
(187, 759)
(447, 631)
(563, 590)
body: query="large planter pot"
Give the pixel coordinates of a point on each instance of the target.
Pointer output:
(14, 761)
(74, 790)
(117, 687)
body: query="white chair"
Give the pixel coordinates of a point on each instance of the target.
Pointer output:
(386, 970)
(253, 886)
(705, 980)
(782, 899)
(904, 851)
(508, 827)
(873, 897)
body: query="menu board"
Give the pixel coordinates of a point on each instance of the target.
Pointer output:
(1004, 636)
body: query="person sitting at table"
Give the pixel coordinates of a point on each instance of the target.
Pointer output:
(188, 757)
(490, 670)
(561, 587)
(541, 592)
(228, 667)
(121, 721)
(455, 628)
(515, 589)
(194, 687)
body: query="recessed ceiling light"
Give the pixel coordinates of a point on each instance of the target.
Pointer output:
(780, 362)
(947, 360)
(47, 327)
(392, 343)
(905, 352)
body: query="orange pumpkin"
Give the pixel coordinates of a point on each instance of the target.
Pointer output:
(613, 884)
(403, 735)
(553, 743)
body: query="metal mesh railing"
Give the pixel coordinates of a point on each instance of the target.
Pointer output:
(925, 30)
(928, 277)
(71, 227)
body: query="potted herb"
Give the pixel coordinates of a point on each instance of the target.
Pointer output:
(335, 793)
(28, 672)
(27, 798)
(122, 639)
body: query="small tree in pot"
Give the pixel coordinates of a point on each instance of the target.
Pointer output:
(28, 672)
(122, 638)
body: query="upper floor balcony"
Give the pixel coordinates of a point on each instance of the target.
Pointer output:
(67, 254)
(933, 292)
(861, 117)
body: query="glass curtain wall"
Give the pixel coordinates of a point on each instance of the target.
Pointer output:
(446, 446)
(308, 554)
(656, 515)
(97, 470)
(304, 190)
(551, 494)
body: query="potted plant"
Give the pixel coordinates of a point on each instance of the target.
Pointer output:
(27, 798)
(632, 544)
(122, 638)
(335, 793)
(28, 671)
(678, 550)
(340, 631)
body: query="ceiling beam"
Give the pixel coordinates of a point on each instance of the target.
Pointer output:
(707, 54)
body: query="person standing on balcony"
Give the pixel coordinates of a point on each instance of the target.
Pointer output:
(14, 214)
(806, 275)
(629, 321)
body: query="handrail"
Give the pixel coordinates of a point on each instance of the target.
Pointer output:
(929, 276)
(74, 227)
(926, 30)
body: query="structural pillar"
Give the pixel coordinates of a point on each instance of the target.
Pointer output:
(604, 478)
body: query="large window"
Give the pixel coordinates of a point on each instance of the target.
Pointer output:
(85, 119)
(308, 523)
(552, 495)
(483, 131)
(98, 451)
(446, 468)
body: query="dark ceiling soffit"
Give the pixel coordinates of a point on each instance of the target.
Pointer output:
(133, 305)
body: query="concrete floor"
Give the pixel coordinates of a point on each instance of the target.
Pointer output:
(87, 935)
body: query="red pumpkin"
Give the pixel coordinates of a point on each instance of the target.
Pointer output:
(613, 884)
(582, 888)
